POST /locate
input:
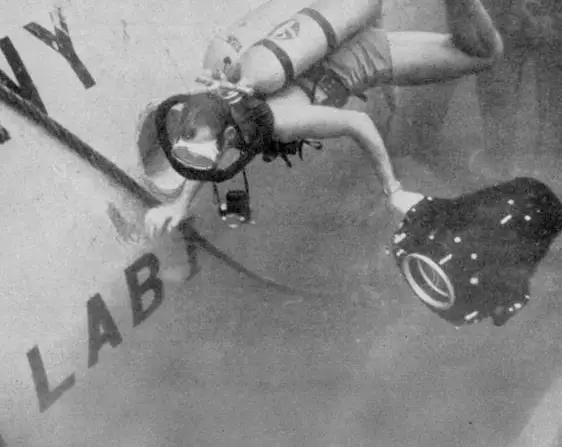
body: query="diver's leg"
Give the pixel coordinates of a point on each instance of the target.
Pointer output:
(472, 29)
(472, 46)
(374, 57)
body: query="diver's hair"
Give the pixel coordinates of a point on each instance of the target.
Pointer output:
(150, 154)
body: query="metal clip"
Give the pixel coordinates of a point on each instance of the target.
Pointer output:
(216, 82)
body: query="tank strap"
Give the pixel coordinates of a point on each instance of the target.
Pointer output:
(283, 58)
(327, 28)
(216, 194)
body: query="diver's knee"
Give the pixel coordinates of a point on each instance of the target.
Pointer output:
(488, 51)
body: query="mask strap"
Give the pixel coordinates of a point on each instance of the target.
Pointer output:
(246, 188)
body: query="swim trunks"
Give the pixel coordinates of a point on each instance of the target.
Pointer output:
(361, 63)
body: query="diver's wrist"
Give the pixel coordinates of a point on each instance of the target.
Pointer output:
(392, 187)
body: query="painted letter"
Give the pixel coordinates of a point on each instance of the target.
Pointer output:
(137, 291)
(26, 89)
(44, 394)
(60, 42)
(98, 317)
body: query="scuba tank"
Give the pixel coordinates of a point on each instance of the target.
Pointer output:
(269, 62)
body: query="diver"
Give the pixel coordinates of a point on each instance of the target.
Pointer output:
(311, 106)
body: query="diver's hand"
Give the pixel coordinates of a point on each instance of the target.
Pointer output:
(402, 200)
(164, 219)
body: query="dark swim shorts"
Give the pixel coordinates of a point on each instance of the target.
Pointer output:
(361, 63)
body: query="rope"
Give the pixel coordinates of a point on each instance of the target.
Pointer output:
(82, 149)
(123, 180)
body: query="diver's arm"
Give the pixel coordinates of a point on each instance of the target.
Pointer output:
(473, 45)
(319, 122)
(169, 215)
(188, 193)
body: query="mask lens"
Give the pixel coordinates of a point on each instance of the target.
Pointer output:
(202, 156)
